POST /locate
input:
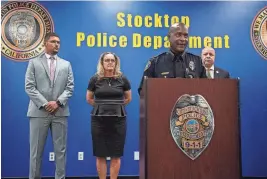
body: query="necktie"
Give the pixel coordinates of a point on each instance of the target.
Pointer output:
(52, 68)
(208, 73)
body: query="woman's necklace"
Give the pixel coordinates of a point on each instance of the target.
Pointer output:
(109, 81)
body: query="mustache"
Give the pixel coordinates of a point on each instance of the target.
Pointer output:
(207, 58)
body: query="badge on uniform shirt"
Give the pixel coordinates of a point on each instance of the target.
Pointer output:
(192, 65)
(148, 65)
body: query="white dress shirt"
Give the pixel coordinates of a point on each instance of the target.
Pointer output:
(49, 60)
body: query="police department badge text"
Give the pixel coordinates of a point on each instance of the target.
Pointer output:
(259, 32)
(24, 26)
(192, 124)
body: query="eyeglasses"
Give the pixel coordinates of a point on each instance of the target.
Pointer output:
(110, 60)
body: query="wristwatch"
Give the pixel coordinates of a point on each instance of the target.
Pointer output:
(58, 103)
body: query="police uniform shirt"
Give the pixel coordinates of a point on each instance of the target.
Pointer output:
(167, 65)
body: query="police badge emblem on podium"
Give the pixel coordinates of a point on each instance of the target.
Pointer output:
(192, 124)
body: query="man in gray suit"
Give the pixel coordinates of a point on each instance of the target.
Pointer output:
(49, 83)
(208, 59)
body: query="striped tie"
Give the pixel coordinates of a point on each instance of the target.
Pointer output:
(52, 68)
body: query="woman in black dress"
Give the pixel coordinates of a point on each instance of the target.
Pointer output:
(108, 92)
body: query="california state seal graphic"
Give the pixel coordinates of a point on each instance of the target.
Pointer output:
(259, 32)
(24, 26)
(192, 124)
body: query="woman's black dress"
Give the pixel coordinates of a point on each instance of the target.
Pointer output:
(108, 117)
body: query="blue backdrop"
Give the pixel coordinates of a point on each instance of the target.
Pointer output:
(224, 19)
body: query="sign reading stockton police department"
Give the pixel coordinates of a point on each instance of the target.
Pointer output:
(259, 32)
(192, 124)
(154, 21)
(24, 26)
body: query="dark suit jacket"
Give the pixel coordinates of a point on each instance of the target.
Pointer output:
(220, 73)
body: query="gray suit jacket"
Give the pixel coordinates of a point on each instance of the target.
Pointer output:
(41, 89)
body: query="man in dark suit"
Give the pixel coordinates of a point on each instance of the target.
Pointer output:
(208, 58)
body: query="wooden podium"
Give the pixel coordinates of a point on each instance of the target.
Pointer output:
(161, 158)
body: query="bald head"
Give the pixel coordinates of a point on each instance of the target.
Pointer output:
(178, 37)
(208, 49)
(208, 56)
(177, 25)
